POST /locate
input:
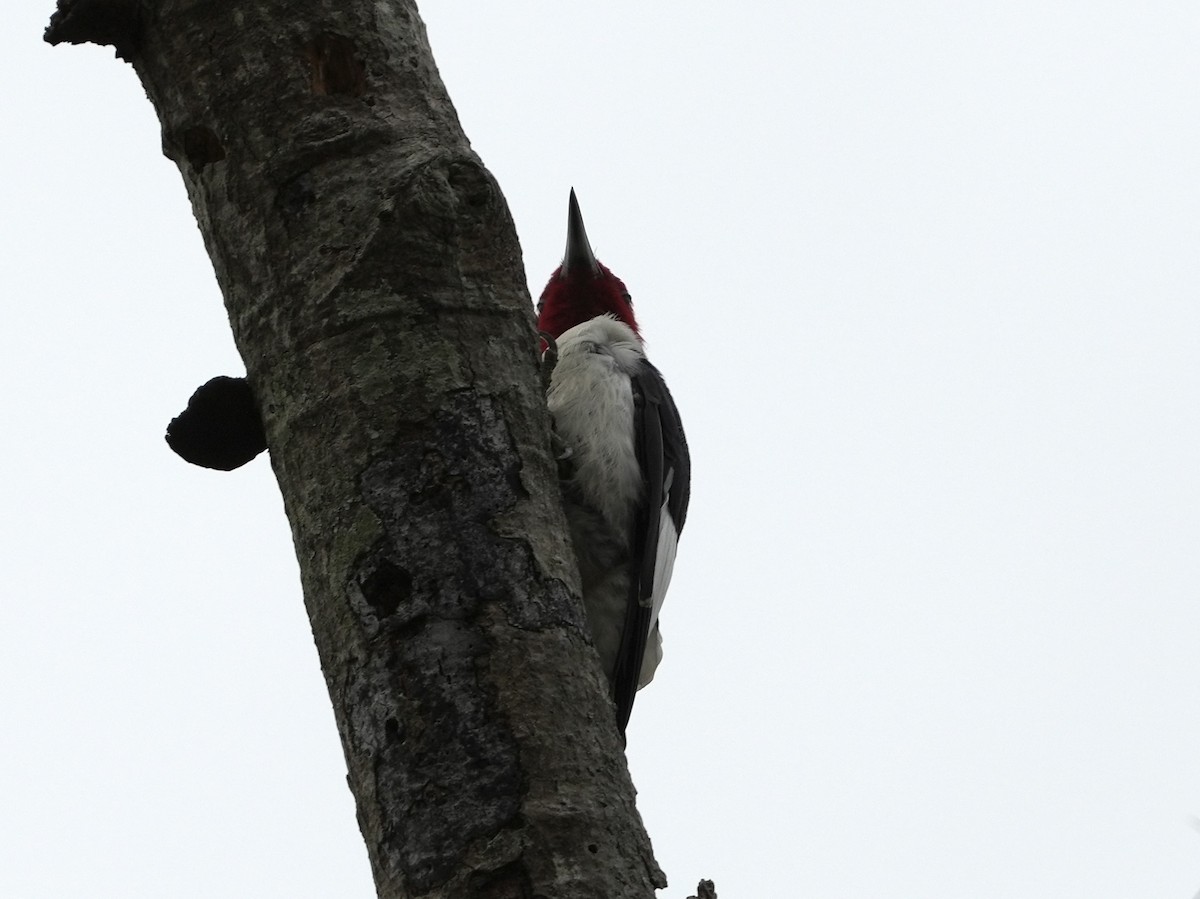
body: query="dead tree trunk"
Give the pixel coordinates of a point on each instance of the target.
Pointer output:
(375, 289)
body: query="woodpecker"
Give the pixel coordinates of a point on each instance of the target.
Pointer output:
(625, 471)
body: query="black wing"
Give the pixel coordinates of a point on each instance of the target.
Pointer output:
(666, 466)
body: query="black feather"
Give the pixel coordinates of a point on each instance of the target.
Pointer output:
(665, 463)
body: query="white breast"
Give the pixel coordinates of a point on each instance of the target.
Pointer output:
(591, 399)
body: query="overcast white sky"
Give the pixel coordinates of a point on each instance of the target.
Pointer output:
(924, 280)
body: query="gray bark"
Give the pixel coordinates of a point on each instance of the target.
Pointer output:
(375, 289)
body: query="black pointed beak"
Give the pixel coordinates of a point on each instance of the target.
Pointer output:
(579, 253)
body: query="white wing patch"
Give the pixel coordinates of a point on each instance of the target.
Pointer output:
(664, 565)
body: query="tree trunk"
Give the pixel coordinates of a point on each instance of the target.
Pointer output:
(374, 284)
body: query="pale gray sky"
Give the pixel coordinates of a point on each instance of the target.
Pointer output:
(924, 280)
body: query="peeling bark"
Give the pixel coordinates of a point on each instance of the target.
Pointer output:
(374, 285)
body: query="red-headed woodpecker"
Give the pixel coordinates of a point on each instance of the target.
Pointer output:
(626, 475)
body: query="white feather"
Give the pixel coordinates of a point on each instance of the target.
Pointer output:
(591, 399)
(664, 564)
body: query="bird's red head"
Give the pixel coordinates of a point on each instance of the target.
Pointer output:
(582, 287)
